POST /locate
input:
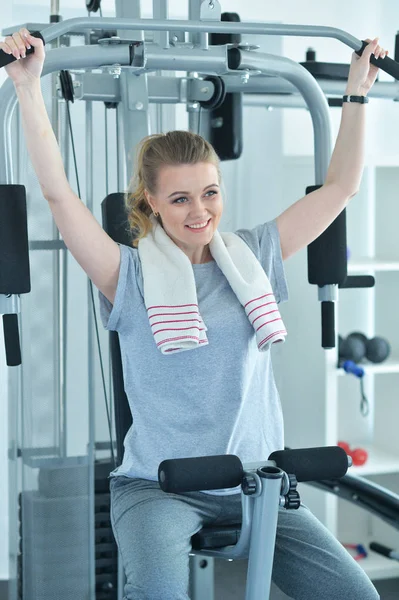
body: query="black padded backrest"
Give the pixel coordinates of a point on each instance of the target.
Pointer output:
(116, 225)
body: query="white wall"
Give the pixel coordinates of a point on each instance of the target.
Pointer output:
(291, 126)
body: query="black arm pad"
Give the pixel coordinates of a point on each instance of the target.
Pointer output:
(327, 259)
(313, 464)
(202, 473)
(14, 249)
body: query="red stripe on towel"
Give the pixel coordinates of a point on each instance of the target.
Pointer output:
(283, 331)
(177, 347)
(260, 306)
(184, 321)
(191, 312)
(178, 329)
(267, 323)
(264, 314)
(175, 339)
(172, 306)
(260, 297)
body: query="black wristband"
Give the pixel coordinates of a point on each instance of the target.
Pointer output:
(359, 99)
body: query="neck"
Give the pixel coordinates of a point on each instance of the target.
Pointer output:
(200, 256)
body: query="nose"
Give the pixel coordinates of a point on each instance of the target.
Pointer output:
(197, 208)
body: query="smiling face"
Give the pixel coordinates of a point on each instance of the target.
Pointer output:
(189, 202)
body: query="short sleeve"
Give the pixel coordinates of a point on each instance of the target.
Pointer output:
(111, 313)
(264, 241)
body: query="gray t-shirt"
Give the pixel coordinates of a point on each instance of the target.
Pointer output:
(217, 399)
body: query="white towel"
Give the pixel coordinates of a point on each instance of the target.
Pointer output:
(170, 295)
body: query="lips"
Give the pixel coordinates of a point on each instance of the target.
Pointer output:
(195, 227)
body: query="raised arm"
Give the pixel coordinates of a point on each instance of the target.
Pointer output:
(94, 250)
(305, 220)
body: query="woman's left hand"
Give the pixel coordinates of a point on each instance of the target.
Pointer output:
(362, 73)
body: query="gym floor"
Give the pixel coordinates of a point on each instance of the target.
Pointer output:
(230, 578)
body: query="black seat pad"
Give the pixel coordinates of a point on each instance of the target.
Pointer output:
(216, 537)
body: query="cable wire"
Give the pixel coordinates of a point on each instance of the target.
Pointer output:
(92, 299)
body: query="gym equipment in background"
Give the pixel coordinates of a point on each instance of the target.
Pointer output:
(353, 350)
(225, 121)
(384, 550)
(357, 346)
(352, 368)
(359, 551)
(359, 456)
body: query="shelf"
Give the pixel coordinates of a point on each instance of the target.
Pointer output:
(379, 462)
(382, 161)
(377, 566)
(391, 365)
(365, 265)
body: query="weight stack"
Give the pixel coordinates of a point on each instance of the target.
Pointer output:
(105, 547)
(54, 558)
(54, 536)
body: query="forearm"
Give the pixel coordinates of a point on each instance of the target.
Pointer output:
(347, 161)
(41, 142)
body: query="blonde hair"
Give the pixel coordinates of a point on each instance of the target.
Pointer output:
(155, 151)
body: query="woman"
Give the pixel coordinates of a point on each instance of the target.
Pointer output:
(218, 396)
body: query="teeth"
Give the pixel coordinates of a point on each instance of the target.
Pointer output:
(198, 226)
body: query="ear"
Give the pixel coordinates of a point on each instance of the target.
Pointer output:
(150, 200)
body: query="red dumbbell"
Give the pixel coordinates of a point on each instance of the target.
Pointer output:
(359, 455)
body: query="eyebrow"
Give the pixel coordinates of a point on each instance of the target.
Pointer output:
(187, 193)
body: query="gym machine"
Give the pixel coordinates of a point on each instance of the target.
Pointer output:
(55, 478)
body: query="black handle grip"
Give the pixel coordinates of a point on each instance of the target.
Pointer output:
(11, 340)
(313, 464)
(6, 59)
(200, 473)
(385, 64)
(358, 281)
(384, 550)
(327, 325)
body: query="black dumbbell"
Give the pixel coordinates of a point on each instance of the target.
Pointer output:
(357, 346)
(378, 349)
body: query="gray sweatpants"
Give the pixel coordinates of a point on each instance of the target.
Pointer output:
(153, 532)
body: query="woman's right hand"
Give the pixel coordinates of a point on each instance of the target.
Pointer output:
(27, 69)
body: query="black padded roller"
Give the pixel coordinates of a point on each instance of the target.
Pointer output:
(313, 464)
(327, 255)
(14, 253)
(200, 473)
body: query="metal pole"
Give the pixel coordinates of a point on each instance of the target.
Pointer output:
(59, 287)
(82, 23)
(90, 360)
(263, 534)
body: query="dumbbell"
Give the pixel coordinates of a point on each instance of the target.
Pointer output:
(359, 455)
(357, 346)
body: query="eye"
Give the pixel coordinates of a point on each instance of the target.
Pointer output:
(212, 192)
(180, 200)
